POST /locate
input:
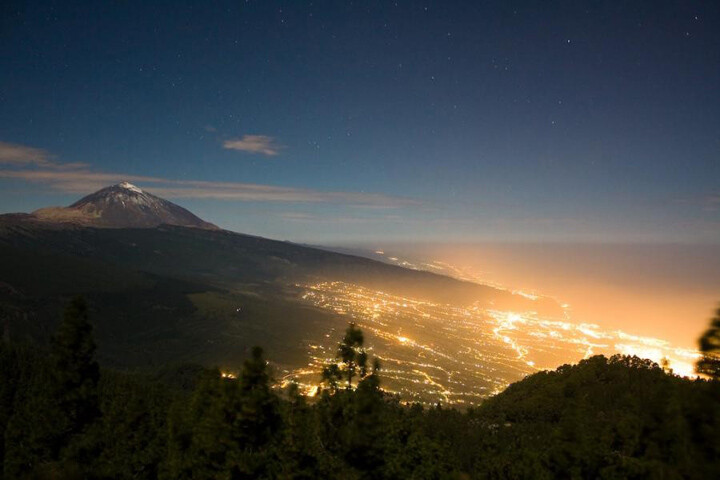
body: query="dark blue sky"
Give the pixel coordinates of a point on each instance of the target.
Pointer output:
(353, 121)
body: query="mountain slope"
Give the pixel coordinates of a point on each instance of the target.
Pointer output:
(226, 259)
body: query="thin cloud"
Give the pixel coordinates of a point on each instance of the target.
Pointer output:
(23, 156)
(300, 217)
(69, 178)
(256, 144)
(74, 181)
(252, 192)
(20, 155)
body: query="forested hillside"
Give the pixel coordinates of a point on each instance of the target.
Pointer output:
(63, 417)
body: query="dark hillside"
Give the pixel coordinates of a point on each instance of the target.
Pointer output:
(227, 258)
(621, 417)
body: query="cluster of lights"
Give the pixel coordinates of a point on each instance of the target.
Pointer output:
(434, 352)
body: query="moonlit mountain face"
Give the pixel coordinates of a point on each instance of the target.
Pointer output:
(122, 206)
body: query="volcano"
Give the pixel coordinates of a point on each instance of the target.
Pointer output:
(121, 206)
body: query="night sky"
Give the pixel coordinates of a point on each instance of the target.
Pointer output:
(361, 121)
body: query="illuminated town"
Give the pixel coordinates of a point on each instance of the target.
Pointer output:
(459, 355)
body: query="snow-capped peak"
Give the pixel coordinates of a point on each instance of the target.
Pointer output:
(129, 186)
(123, 205)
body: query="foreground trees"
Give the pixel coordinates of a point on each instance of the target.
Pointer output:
(75, 371)
(621, 417)
(46, 430)
(227, 428)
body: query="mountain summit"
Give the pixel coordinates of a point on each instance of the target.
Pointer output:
(121, 206)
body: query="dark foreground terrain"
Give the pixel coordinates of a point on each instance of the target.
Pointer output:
(63, 417)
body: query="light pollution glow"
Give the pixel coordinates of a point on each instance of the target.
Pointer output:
(458, 355)
(666, 291)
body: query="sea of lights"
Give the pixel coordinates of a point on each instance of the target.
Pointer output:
(453, 354)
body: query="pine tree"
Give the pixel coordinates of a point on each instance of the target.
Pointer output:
(199, 430)
(709, 364)
(8, 387)
(299, 445)
(367, 429)
(331, 375)
(33, 429)
(352, 354)
(56, 404)
(132, 432)
(259, 418)
(256, 422)
(228, 428)
(76, 372)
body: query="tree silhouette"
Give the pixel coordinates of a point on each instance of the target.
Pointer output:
(331, 375)
(55, 403)
(76, 371)
(709, 364)
(665, 365)
(366, 429)
(352, 354)
(259, 418)
(228, 427)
